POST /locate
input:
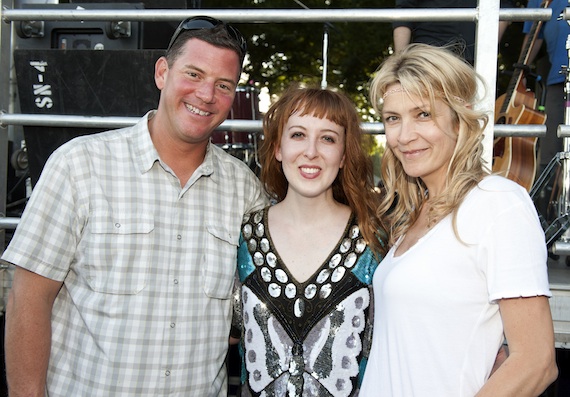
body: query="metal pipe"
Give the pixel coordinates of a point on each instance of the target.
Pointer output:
(51, 120)
(8, 223)
(275, 15)
(563, 131)
(561, 248)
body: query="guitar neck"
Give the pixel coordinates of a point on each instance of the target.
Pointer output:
(516, 80)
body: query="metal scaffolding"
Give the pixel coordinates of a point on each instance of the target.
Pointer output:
(486, 16)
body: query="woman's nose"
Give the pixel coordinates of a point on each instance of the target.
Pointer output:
(407, 131)
(311, 150)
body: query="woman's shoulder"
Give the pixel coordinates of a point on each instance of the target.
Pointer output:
(497, 192)
(497, 183)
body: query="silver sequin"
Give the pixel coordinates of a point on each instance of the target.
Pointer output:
(258, 216)
(271, 259)
(247, 230)
(354, 232)
(252, 245)
(335, 260)
(274, 290)
(281, 276)
(345, 245)
(310, 291)
(350, 260)
(323, 276)
(264, 245)
(299, 308)
(266, 274)
(325, 291)
(360, 246)
(338, 274)
(290, 290)
(258, 258)
(259, 229)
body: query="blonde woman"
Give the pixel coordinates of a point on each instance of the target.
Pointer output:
(467, 263)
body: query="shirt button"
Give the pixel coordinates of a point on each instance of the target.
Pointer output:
(167, 372)
(175, 281)
(117, 225)
(172, 325)
(179, 237)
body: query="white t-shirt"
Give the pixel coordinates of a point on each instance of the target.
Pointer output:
(437, 326)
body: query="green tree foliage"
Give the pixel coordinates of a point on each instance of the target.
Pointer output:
(281, 53)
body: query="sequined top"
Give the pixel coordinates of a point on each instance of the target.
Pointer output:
(302, 339)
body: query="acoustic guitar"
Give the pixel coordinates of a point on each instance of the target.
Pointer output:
(515, 157)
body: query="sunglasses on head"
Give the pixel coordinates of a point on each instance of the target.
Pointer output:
(204, 22)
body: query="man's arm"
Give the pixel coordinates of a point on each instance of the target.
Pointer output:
(402, 37)
(28, 332)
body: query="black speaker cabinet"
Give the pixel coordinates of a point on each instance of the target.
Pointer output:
(80, 82)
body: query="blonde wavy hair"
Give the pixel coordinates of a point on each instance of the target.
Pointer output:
(432, 73)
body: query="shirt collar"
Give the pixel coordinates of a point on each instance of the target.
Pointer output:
(145, 154)
(143, 151)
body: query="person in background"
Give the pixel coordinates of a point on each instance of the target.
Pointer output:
(554, 33)
(459, 34)
(467, 261)
(125, 255)
(305, 264)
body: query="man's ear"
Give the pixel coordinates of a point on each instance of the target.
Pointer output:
(160, 72)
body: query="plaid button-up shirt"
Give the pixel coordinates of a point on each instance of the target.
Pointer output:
(147, 266)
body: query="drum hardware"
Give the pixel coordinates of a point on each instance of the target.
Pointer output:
(557, 175)
(241, 144)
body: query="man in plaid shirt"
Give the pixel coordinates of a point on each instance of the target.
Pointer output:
(125, 255)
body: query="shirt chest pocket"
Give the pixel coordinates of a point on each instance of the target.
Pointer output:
(220, 256)
(119, 252)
